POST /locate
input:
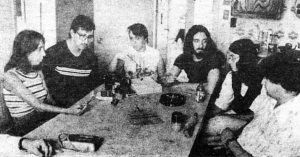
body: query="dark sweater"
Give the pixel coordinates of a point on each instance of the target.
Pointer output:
(70, 78)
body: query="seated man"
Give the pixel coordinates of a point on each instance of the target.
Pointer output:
(200, 59)
(141, 60)
(274, 129)
(71, 67)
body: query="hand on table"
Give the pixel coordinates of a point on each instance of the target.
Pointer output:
(226, 135)
(214, 141)
(168, 79)
(37, 147)
(77, 110)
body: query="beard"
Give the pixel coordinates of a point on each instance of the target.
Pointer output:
(36, 67)
(201, 53)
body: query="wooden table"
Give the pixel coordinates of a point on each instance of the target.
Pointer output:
(122, 138)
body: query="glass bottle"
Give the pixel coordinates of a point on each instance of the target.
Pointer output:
(200, 93)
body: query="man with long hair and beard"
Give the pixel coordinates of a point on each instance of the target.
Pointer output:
(201, 60)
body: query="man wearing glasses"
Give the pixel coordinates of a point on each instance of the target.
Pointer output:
(70, 66)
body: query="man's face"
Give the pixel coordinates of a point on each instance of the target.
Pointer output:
(138, 43)
(272, 89)
(82, 38)
(199, 43)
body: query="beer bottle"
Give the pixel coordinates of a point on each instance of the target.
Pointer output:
(200, 93)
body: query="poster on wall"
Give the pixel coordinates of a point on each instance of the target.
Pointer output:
(269, 9)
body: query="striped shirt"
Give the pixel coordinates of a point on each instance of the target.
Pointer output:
(16, 105)
(68, 77)
(72, 72)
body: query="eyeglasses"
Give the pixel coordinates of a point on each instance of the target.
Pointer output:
(85, 36)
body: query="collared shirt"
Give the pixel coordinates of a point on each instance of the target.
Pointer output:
(273, 131)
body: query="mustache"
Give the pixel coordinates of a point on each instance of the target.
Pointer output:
(201, 49)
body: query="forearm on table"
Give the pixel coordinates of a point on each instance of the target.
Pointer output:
(161, 68)
(246, 116)
(175, 71)
(212, 80)
(237, 149)
(49, 108)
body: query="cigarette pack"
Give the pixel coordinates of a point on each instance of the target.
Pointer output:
(79, 142)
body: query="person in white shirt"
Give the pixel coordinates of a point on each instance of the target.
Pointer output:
(141, 60)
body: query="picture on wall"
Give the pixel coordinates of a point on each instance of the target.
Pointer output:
(270, 9)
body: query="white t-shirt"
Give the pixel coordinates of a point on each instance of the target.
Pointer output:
(145, 63)
(226, 95)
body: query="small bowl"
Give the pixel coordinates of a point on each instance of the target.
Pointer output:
(172, 99)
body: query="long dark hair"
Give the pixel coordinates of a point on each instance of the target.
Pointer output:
(25, 42)
(248, 68)
(188, 42)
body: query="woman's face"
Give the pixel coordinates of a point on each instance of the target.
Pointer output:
(36, 56)
(232, 58)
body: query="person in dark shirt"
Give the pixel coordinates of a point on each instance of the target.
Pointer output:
(201, 60)
(71, 67)
(239, 89)
(243, 82)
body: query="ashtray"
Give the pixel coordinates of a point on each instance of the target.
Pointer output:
(172, 99)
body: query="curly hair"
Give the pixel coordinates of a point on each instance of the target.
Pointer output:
(284, 70)
(188, 42)
(25, 42)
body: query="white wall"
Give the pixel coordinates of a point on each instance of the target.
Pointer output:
(67, 10)
(112, 19)
(223, 34)
(7, 31)
(39, 15)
